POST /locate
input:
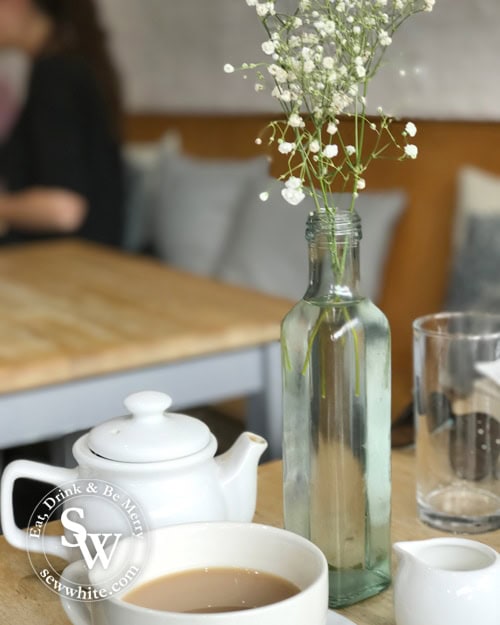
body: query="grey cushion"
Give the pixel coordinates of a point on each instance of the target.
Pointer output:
(475, 277)
(199, 202)
(268, 250)
(143, 183)
(475, 282)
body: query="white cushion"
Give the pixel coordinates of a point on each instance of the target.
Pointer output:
(268, 250)
(199, 202)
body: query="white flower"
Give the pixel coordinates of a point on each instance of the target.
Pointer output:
(285, 147)
(314, 146)
(228, 68)
(284, 96)
(328, 62)
(278, 73)
(411, 129)
(360, 71)
(264, 196)
(319, 59)
(293, 183)
(258, 141)
(384, 38)
(293, 196)
(331, 150)
(296, 121)
(268, 47)
(411, 150)
(308, 66)
(265, 8)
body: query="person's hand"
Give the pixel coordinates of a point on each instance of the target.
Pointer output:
(43, 210)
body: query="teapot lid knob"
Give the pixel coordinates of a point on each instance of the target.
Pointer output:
(149, 433)
(148, 404)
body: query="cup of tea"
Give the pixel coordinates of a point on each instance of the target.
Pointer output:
(214, 573)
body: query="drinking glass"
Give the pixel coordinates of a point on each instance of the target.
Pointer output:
(457, 419)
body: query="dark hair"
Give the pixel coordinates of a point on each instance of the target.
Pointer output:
(78, 33)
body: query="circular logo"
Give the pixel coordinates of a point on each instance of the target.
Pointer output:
(103, 527)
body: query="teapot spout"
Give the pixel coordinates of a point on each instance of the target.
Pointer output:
(238, 475)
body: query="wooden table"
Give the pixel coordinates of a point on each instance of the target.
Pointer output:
(82, 326)
(25, 601)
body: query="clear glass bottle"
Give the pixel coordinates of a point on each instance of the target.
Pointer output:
(336, 392)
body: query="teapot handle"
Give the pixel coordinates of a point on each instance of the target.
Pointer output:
(17, 537)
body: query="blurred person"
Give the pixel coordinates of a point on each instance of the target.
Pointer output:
(13, 74)
(60, 167)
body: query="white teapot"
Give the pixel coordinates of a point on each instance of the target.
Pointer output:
(149, 468)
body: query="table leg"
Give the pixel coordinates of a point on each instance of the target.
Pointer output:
(265, 408)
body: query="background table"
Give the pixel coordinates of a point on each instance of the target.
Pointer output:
(82, 326)
(25, 601)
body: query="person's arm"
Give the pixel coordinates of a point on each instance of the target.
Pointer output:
(42, 210)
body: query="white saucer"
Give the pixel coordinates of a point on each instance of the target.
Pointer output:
(334, 618)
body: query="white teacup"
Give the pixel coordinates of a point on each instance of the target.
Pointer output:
(198, 545)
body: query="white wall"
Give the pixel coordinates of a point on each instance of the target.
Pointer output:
(171, 54)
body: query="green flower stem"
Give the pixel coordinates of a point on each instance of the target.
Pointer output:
(339, 270)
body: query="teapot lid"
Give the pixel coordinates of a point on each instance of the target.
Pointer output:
(149, 434)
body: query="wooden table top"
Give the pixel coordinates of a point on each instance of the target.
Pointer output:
(71, 309)
(405, 526)
(25, 601)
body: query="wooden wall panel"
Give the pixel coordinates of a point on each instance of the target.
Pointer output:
(419, 259)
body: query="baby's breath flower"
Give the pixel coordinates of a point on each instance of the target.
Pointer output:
(314, 146)
(320, 58)
(293, 183)
(331, 150)
(410, 129)
(295, 121)
(264, 196)
(265, 8)
(285, 147)
(411, 150)
(293, 196)
(228, 68)
(268, 47)
(384, 38)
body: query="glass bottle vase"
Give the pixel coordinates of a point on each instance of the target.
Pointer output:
(336, 402)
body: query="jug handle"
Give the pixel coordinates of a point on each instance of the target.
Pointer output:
(40, 473)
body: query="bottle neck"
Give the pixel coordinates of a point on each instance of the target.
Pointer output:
(333, 256)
